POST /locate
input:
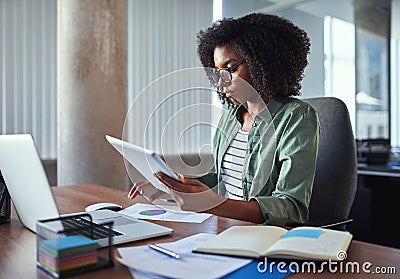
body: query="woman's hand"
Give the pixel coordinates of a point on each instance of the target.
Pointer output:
(139, 188)
(190, 194)
(194, 195)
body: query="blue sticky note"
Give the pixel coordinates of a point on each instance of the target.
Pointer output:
(311, 233)
(68, 242)
(260, 270)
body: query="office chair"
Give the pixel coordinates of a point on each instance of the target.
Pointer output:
(335, 181)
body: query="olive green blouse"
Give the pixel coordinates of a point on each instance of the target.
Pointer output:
(280, 161)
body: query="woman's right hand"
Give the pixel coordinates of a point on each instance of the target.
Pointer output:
(139, 188)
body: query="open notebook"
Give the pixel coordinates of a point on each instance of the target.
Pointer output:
(302, 243)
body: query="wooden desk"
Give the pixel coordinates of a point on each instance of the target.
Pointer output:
(18, 246)
(378, 170)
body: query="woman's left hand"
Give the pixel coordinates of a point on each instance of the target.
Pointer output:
(190, 194)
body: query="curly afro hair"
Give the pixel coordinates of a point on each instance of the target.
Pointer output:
(274, 49)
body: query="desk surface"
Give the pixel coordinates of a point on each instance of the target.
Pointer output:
(18, 246)
(378, 170)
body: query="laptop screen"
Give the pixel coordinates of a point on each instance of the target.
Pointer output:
(26, 179)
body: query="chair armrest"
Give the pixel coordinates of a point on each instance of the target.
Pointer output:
(330, 224)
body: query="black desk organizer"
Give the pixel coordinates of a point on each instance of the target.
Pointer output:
(5, 202)
(44, 232)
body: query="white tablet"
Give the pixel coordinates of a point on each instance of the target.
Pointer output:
(146, 161)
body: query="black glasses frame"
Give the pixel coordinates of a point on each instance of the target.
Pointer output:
(225, 74)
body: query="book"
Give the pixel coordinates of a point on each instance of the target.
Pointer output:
(300, 243)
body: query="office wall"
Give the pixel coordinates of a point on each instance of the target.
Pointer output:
(28, 80)
(28, 60)
(162, 50)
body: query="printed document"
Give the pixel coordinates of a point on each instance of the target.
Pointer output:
(143, 260)
(164, 213)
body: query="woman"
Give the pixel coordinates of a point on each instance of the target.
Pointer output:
(266, 142)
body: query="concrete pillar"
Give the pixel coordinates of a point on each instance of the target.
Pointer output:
(92, 90)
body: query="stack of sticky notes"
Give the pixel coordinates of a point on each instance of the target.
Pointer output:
(67, 253)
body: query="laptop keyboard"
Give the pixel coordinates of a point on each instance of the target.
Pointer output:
(83, 226)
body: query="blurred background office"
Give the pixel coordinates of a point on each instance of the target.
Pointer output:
(71, 69)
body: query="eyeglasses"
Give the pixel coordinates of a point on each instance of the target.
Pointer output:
(225, 74)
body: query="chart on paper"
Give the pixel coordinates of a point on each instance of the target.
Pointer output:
(164, 213)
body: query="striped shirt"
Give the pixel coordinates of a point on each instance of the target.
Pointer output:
(232, 165)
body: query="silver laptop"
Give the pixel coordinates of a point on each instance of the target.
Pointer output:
(33, 199)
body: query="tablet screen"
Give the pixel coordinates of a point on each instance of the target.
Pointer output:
(146, 161)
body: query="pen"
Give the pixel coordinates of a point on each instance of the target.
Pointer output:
(167, 200)
(338, 223)
(164, 251)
